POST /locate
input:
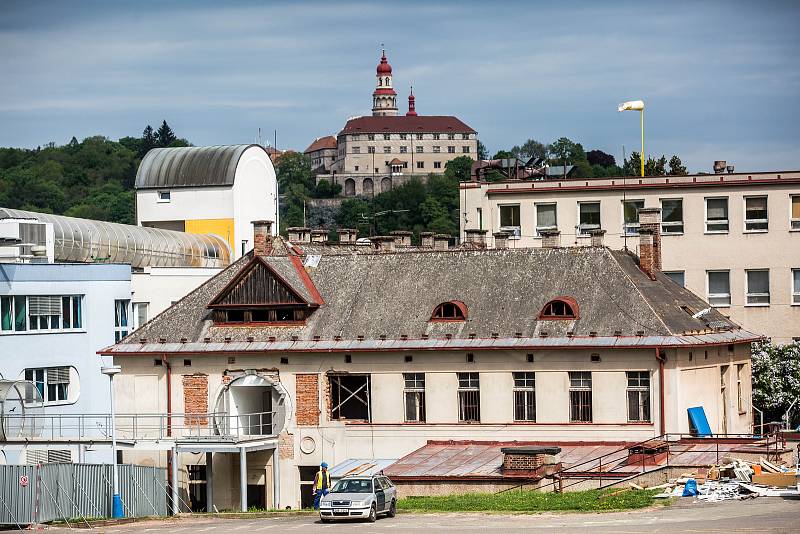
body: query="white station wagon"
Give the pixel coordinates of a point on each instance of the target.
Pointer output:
(359, 497)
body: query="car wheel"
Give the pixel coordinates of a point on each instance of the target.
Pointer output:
(392, 509)
(373, 514)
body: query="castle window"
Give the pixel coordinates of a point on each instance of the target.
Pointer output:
(455, 310)
(560, 308)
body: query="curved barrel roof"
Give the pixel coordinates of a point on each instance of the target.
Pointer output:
(190, 166)
(87, 241)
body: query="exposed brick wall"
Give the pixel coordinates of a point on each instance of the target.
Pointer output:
(195, 398)
(286, 446)
(307, 386)
(522, 461)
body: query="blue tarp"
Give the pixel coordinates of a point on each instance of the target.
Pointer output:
(699, 422)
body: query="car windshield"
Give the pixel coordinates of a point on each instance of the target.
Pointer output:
(352, 486)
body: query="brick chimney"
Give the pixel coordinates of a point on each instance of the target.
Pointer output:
(426, 239)
(475, 237)
(298, 234)
(500, 239)
(441, 241)
(262, 237)
(402, 238)
(551, 238)
(318, 235)
(347, 236)
(597, 236)
(650, 220)
(383, 243)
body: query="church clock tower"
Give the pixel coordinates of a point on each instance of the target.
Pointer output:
(384, 99)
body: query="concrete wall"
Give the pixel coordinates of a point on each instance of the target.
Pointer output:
(160, 287)
(777, 249)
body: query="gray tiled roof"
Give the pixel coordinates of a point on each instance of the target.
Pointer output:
(394, 294)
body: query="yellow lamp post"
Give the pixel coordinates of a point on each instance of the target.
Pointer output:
(636, 105)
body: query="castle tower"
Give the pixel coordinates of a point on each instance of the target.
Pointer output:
(412, 112)
(384, 99)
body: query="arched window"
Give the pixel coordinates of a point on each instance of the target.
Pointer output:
(387, 81)
(560, 308)
(455, 310)
(349, 187)
(368, 187)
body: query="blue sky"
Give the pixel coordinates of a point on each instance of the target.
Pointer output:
(721, 80)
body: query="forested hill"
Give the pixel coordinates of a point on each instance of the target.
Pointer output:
(92, 178)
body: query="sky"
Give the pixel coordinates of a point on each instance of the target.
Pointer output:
(720, 80)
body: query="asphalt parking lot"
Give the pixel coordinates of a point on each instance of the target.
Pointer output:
(758, 515)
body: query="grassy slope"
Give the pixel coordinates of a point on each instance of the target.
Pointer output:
(531, 501)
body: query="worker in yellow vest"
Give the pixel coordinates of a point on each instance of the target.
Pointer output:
(322, 484)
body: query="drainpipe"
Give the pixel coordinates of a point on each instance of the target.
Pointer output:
(165, 362)
(171, 462)
(661, 357)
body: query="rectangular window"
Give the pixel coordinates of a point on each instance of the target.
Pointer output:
(437, 149)
(164, 196)
(6, 313)
(386, 137)
(355, 137)
(419, 149)
(719, 288)
(419, 137)
(39, 312)
(796, 286)
(509, 220)
(436, 136)
(20, 313)
(356, 150)
(121, 328)
(757, 287)
(469, 398)
(420, 164)
(403, 136)
(370, 137)
(755, 214)
(451, 150)
(546, 217)
(437, 164)
(795, 214)
(451, 136)
(403, 149)
(672, 216)
(139, 314)
(464, 136)
(52, 382)
(739, 393)
(717, 215)
(580, 397)
(638, 396)
(414, 397)
(588, 217)
(465, 149)
(370, 149)
(350, 397)
(630, 214)
(677, 276)
(387, 150)
(525, 396)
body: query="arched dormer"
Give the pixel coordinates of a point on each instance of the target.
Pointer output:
(454, 310)
(560, 308)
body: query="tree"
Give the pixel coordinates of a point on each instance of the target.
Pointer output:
(459, 168)
(676, 167)
(482, 152)
(631, 166)
(165, 136)
(149, 141)
(561, 151)
(503, 154)
(598, 157)
(325, 189)
(294, 168)
(529, 149)
(776, 379)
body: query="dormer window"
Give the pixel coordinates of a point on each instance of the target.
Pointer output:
(455, 310)
(560, 308)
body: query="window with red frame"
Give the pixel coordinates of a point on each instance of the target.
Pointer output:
(449, 311)
(559, 309)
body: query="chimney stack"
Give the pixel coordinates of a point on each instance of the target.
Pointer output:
(551, 238)
(441, 242)
(262, 237)
(318, 235)
(383, 243)
(476, 237)
(347, 236)
(426, 239)
(500, 239)
(650, 220)
(597, 236)
(298, 234)
(402, 238)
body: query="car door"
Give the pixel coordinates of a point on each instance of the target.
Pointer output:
(389, 490)
(380, 495)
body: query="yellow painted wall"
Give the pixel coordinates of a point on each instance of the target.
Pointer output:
(220, 227)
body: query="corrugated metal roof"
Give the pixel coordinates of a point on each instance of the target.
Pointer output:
(363, 467)
(190, 166)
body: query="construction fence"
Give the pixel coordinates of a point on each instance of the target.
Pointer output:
(75, 492)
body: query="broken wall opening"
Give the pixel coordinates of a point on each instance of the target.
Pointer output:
(350, 397)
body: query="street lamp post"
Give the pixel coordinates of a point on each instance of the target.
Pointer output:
(636, 105)
(116, 503)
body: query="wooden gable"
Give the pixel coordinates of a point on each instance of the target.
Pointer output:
(257, 286)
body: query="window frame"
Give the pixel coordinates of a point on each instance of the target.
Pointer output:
(739, 390)
(451, 149)
(414, 388)
(164, 196)
(583, 229)
(727, 220)
(794, 222)
(516, 231)
(709, 295)
(538, 228)
(524, 392)
(458, 307)
(45, 389)
(748, 294)
(667, 225)
(631, 229)
(795, 286)
(577, 411)
(643, 392)
(569, 303)
(471, 390)
(747, 221)
(122, 330)
(12, 303)
(682, 275)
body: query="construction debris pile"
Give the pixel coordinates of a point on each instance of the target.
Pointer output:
(734, 478)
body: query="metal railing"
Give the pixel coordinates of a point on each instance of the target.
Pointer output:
(619, 467)
(137, 427)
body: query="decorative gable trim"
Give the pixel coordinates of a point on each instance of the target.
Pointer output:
(226, 298)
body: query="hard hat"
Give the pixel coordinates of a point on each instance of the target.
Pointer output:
(324, 465)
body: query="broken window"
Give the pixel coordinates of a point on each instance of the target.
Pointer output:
(524, 396)
(469, 398)
(580, 397)
(558, 309)
(350, 397)
(638, 396)
(453, 311)
(739, 393)
(414, 396)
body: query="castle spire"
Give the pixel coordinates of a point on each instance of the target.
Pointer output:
(384, 99)
(412, 112)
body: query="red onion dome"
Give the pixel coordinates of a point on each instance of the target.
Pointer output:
(383, 66)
